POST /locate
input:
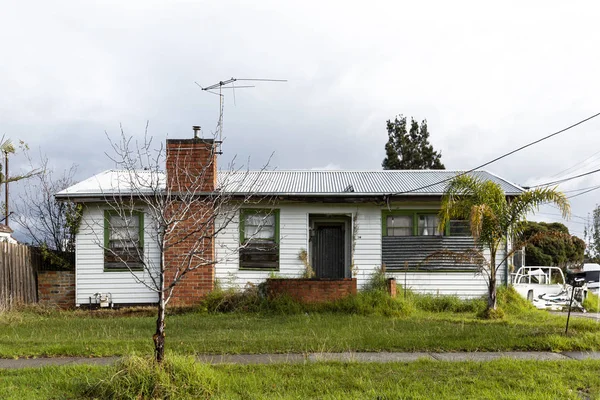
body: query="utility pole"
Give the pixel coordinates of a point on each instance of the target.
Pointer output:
(6, 188)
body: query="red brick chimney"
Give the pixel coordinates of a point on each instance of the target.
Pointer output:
(191, 168)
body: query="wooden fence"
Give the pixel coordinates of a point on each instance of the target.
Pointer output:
(18, 266)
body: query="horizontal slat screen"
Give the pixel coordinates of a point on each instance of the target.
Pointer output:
(429, 253)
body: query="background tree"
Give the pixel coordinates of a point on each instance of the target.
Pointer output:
(178, 214)
(48, 223)
(409, 149)
(554, 246)
(492, 218)
(592, 236)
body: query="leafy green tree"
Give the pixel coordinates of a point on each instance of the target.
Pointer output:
(493, 217)
(410, 149)
(592, 236)
(554, 246)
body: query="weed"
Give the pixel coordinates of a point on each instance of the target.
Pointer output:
(309, 272)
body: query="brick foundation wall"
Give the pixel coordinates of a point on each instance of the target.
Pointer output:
(191, 166)
(56, 288)
(312, 290)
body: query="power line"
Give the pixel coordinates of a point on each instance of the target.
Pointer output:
(502, 156)
(566, 179)
(582, 193)
(579, 189)
(572, 215)
(576, 164)
(558, 216)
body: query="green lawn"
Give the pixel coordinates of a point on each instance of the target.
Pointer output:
(501, 379)
(31, 333)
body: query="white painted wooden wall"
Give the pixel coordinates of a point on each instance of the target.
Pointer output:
(294, 231)
(90, 276)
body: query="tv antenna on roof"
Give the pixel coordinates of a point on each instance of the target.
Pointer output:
(230, 84)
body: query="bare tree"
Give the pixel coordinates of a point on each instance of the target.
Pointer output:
(49, 223)
(182, 212)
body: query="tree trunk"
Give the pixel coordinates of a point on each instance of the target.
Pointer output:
(492, 283)
(492, 294)
(159, 336)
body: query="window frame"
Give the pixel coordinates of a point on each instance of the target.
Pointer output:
(243, 240)
(111, 213)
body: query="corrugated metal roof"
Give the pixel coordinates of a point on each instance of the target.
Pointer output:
(301, 182)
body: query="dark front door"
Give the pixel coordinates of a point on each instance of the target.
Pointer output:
(328, 255)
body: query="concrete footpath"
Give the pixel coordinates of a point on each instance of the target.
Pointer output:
(383, 357)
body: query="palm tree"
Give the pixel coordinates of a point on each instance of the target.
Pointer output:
(493, 217)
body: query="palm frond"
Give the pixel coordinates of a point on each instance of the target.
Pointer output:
(530, 202)
(6, 146)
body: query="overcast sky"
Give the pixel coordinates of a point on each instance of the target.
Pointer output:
(488, 77)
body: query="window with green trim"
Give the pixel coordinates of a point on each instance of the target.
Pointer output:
(410, 223)
(123, 240)
(259, 239)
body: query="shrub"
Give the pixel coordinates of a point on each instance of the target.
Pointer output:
(378, 281)
(591, 303)
(178, 377)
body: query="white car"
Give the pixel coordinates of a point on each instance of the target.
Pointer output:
(546, 288)
(592, 276)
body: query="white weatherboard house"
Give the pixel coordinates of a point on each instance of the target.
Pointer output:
(348, 222)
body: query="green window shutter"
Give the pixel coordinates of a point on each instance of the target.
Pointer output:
(106, 228)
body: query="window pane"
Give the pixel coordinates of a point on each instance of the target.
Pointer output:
(124, 229)
(428, 225)
(399, 225)
(260, 219)
(459, 228)
(118, 221)
(399, 232)
(399, 221)
(259, 226)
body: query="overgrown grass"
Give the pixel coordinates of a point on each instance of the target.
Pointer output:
(373, 302)
(141, 378)
(362, 323)
(136, 378)
(591, 303)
